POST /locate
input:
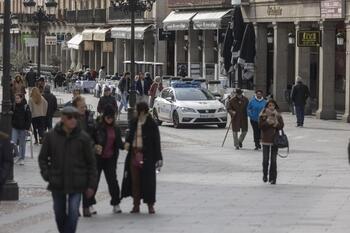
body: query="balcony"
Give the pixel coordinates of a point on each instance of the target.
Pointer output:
(120, 15)
(86, 16)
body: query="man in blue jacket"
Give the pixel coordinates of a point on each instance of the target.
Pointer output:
(255, 106)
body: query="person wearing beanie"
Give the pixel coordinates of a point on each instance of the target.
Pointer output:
(51, 106)
(108, 142)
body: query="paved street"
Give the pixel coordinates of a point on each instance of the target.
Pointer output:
(206, 188)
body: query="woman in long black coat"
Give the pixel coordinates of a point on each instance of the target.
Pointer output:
(140, 171)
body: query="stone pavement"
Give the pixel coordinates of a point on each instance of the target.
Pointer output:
(206, 188)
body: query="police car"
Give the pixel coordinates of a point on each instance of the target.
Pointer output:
(189, 104)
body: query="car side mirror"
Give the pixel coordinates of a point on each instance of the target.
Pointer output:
(170, 99)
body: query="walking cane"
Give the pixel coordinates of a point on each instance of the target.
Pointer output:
(223, 143)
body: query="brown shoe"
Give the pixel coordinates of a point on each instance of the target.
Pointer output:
(151, 209)
(87, 213)
(135, 210)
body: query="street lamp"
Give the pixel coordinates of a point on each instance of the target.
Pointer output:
(132, 6)
(10, 189)
(291, 38)
(40, 16)
(340, 39)
(270, 38)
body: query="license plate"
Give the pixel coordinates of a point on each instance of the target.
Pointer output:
(206, 116)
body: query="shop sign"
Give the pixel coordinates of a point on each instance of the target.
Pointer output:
(50, 40)
(206, 25)
(187, 3)
(309, 39)
(31, 42)
(60, 38)
(176, 26)
(88, 46)
(107, 47)
(166, 35)
(274, 11)
(332, 9)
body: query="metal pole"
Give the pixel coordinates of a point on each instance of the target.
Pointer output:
(132, 98)
(39, 16)
(10, 189)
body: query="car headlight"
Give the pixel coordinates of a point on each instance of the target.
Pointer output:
(187, 110)
(222, 110)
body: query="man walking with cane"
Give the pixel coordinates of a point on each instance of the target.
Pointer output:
(300, 93)
(237, 108)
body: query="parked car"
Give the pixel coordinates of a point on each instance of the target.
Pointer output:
(189, 104)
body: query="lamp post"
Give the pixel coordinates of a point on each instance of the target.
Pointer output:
(132, 6)
(40, 16)
(10, 189)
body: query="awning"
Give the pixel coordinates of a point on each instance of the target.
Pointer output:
(178, 21)
(125, 32)
(210, 20)
(88, 34)
(75, 42)
(100, 34)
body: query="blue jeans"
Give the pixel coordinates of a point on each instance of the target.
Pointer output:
(300, 112)
(19, 138)
(124, 101)
(66, 221)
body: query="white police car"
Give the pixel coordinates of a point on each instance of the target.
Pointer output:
(189, 104)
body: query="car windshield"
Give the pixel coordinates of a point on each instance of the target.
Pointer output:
(193, 94)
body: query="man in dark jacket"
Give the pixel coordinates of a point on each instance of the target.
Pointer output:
(67, 163)
(124, 87)
(6, 160)
(142, 87)
(237, 108)
(300, 93)
(86, 122)
(107, 99)
(21, 121)
(51, 106)
(31, 80)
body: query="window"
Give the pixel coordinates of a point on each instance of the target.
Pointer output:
(193, 94)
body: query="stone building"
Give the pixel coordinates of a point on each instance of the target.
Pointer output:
(91, 33)
(283, 28)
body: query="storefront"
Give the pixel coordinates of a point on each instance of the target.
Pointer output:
(305, 39)
(198, 41)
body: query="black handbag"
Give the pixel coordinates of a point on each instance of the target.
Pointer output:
(281, 141)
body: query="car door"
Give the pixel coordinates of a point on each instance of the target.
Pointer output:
(169, 105)
(161, 104)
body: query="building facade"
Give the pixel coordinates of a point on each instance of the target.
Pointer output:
(306, 38)
(91, 33)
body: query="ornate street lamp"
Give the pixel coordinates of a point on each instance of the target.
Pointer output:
(291, 38)
(40, 16)
(340, 39)
(270, 38)
(132, 7)
(10, 189)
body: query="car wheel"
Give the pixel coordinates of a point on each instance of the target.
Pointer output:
(155, 117)
(176, 120)
(222, 125)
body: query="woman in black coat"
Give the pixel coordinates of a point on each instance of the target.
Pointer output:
(144, 157)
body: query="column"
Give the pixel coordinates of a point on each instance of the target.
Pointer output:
(80, 58)
(73, 58)
(175, 53)
(189, 52)
(346, 116)
(204, 51)
(302, 65)
(125, 55)
(326, 104)
(261, 57)
(280, 64)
